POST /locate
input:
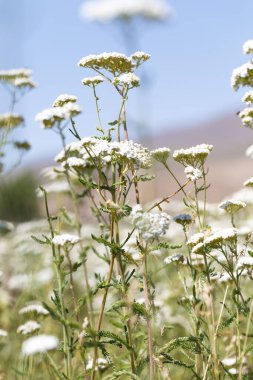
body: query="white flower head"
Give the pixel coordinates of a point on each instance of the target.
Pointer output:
(193, 174)
(65, 240)
(242, 76)
(193, 156)
(150, 225)
(34, 308)
(10, 120)
(28, 328)
(50, 116)
(246, 117)
(139, 57)
(232, 206)
(112, 62)
(248, 97)
(248, 47)
(127, 79)
(93, 81)
(39, 344)
(248, 182)
(161, 154)
(177, 258)
(64, 99)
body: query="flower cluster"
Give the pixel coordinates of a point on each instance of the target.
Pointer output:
(194, 156)
(108, 10)
(65, 240)
(161, 154)
(18, 78)
(150, 225)
(39, 344)
(232, 206)
(10, 120)
(215, 240)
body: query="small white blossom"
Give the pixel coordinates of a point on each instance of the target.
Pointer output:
(34, 309)
(65, 240)
(248, 97)
(10, 120)
(248, 182)
(64, 99)
(94, 81)
(128, 79)
(193, 156)
(242, 76)
(248, 47)
(49, 117)
(113, 62)
(231, 206)
(177, 258)
(28, 328)
(39, 344)
(161, 154)
(192, 173)
(245, 261)
(247, 117)
(151, 225)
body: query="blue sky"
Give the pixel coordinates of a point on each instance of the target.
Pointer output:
(193, 56)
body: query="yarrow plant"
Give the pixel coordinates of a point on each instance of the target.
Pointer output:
(108, 287)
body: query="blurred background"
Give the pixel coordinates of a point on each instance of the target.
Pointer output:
(185, 98)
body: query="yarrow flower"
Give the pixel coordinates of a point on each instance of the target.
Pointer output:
(161, 154)
(28, 328)
(64, 99)
(65, 240)
(139, 57)
(193, 156)
(248, 182)
(39, 344)
(10, 76)
(127, 79)
(193, 174)
(232, 206)
(215, 240)
(195, 239)
(93, 81)
(108, 10)
(24, 83)
(242, 76)
(248, 47)
(150, 225)
(112, 62)
(10, 120)
(248, 97)
(34, 309)
(55, 115)
(177, 258)
(246, 117)
(245, 261)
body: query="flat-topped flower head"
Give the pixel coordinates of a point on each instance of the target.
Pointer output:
(39, 344)
(93, 81)
(34, 308)
(127, 79)
(64, 99)
(177, 258)
(161, 154)
(193, 174)
(245, 262)
(74, 162)
(24, 83)
(65, 240)
(195, 239)
(11, 75)
(248, 97)
(71, 109)
(3, 333)
(242, 76)
(248, 182)
(139, 57)
(150, 225)
(193, 156)
(10, 120)
(248, 47)
(51, 116)
(108, 10)
(183, 219)
(246, 117)
(232, 206)
(28, 328)
(112, 62)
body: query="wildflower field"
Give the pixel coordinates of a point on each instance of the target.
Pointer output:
(105, 285)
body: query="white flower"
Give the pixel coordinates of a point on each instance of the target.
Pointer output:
(49, 117)
(192, 173)
(108, 10)
(195, 239)
(245, 261)
(113, 62)
(150, 225)
(177, 258)
(248, 97)
(65, 240)
(94, 81)
(128, 79)
(232, 206)
(193, 156)
(24, 83)
(34, 309)
(28, 328)
(248, 47)
(242, 76)
(229, 362)
(161, 154)
(74, 162)
(3, 333)
(10, 120)
(39, 344)
(54, 188)
(249, 151)
(64, 99)
(11, 75)
(248, 182)
(247, 117)
(140, 57)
